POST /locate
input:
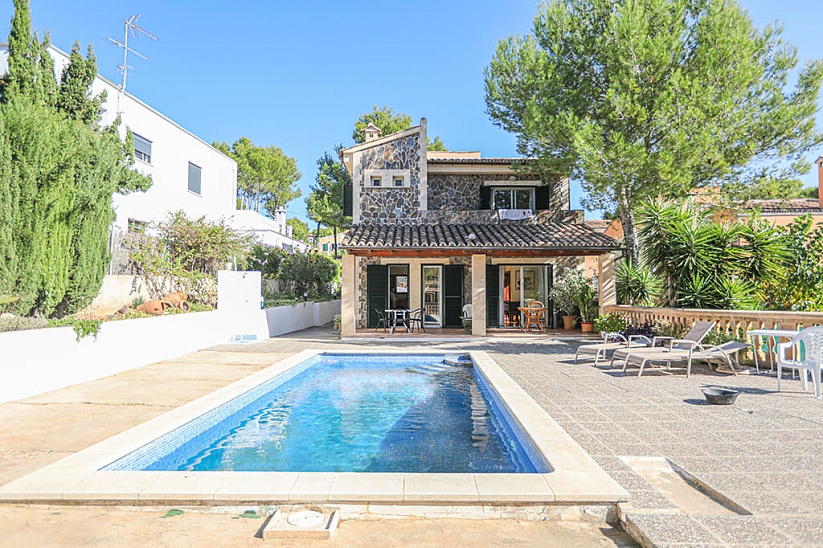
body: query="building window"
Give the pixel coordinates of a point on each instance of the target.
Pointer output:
(398, 181)
(136, 226)
(325, 247)
(377, 180)
(513, 198)
(194, 178)
(142, 148)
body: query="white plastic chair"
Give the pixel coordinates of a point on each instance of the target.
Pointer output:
(807, 360)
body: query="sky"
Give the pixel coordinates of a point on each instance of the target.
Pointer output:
(297, 74)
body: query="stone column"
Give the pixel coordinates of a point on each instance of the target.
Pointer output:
(606, 281)
(478, 295)
(348, 296)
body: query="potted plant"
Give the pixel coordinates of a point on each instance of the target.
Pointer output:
(585, 301)
(610, 323)
(563, 294)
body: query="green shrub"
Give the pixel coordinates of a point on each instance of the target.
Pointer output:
(266, 260)
(610, 323)
(311, 273)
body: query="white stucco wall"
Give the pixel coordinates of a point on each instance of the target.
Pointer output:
(41, 360)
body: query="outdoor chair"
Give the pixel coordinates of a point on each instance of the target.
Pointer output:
(381, 320)
(612, 342)
(466, 318)
(677, 350)
(808, 352)
(416, 319)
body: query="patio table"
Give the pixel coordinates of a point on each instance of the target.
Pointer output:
(398, 316)
(774, 334)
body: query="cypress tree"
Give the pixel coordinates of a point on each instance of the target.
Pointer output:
(58, 172)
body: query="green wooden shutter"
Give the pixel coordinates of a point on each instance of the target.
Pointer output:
(347, 200)
(485, 197)
(492, 295)
(542, 197)
(377, 290)
(551, 318)
(452, 295)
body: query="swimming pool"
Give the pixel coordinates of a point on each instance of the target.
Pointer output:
(573, 478)
(428, 413)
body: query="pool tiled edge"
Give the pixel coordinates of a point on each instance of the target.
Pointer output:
(575, 477)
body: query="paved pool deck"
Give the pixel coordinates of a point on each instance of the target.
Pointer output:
(764, 454)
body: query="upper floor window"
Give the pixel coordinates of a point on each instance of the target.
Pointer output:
(142, 148)
(512, 198)
(398, 181)
(194, 178)
(136, 226)
(387, 178)
(376, 180)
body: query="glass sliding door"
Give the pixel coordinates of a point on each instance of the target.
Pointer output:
(519, 286)
(433, 296)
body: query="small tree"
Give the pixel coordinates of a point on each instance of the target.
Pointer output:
(308, 274)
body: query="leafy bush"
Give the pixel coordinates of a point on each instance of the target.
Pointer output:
(311, 273)
(636, 285)
(185, 256)
(10, 322)
(802, 287)
(266, 260)
(566, 289)
(704, 263)
(610, 323)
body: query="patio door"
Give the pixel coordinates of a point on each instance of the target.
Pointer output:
(520, 285)
(433, 296)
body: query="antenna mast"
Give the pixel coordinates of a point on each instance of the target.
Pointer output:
(129, 27)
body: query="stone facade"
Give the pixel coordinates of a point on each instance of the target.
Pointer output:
(461, 191)
(388, 204)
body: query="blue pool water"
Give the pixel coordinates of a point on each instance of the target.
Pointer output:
(352, 413)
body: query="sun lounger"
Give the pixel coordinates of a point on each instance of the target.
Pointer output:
(611, 342)
(676, 351)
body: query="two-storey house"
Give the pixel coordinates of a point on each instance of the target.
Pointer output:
(440, 230)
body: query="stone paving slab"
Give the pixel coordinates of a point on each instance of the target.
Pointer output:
(765, 452)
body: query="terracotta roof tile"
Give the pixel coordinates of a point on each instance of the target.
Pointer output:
(560, 236)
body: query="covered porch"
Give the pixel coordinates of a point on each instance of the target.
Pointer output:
(445, 273)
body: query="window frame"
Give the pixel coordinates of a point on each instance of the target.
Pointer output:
(199, 191)
(511, 190)
(139, 153)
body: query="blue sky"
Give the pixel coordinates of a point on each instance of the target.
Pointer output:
(298, 74)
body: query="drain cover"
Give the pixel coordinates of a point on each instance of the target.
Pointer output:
(306, 518)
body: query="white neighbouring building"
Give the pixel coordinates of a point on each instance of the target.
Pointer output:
(187, 173)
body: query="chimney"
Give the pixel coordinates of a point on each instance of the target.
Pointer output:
(371, 132)
(279, 217)
(820, 181)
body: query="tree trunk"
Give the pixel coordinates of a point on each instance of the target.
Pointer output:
(334, 228)
(629, 228)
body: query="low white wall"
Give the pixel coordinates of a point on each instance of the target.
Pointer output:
(40, 360)
(286, 319)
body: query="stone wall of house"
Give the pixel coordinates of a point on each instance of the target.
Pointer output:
(461, 191)
(389, 204)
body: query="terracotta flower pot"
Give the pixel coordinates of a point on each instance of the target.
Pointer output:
(587, 327)
(568, 322)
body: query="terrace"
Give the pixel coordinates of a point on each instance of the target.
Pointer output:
(759, 457)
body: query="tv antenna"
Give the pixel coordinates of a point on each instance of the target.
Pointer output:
(130, 27)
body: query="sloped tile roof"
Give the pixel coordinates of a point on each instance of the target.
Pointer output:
(543, 236)
(796, 205)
